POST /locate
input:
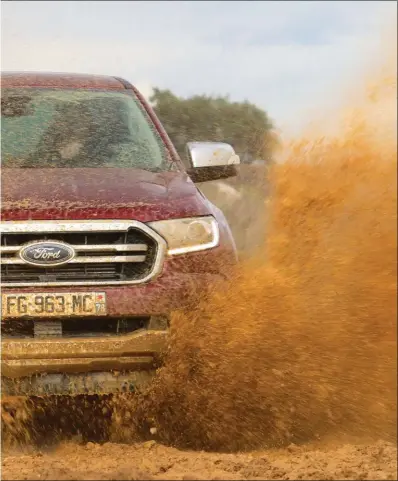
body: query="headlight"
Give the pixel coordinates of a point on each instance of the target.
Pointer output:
(188, 235)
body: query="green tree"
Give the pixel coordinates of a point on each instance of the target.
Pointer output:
(204, 118)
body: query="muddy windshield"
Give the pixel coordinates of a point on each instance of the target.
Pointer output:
(78, 128)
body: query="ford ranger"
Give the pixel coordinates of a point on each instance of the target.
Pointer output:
(104, 233)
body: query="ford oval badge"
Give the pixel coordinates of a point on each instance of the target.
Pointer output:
(47, 253)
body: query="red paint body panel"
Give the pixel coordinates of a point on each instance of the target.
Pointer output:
(78, 194)
(158, 125)
(59, 80)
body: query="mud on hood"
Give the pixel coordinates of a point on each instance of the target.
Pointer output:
(100, 193)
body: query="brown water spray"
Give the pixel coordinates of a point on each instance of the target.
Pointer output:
(302, 342)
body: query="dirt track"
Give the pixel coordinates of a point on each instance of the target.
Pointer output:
(152, 461)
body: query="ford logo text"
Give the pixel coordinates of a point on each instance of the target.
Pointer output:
(47, 253)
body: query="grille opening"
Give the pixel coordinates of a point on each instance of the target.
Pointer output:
(116, 270)
(76, 327)
(75, 272)
(7, 255)
(132, 236)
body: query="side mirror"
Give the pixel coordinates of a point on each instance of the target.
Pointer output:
(211, 161)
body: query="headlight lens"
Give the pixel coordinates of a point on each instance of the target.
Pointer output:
(188, 235)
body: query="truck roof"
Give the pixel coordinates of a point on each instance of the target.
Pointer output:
(65, 80)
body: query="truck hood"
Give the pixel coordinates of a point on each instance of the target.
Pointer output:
(71, 194)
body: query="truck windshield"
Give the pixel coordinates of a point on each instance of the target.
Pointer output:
(42, 128)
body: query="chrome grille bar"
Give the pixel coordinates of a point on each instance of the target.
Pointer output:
(52, 226)
(91, 248)
(86, 260)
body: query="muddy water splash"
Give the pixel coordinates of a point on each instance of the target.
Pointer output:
(302, 342)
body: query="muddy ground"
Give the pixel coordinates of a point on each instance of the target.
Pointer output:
(153, 461)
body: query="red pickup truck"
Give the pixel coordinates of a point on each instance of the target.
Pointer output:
(104, 233)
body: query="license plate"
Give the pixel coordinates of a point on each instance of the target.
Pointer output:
(54, 304)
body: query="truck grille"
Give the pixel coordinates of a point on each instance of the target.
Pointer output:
(107, 252)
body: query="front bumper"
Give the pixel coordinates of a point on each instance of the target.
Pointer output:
(83, 366)
(102, 364)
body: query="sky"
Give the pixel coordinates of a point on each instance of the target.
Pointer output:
(287, 57)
